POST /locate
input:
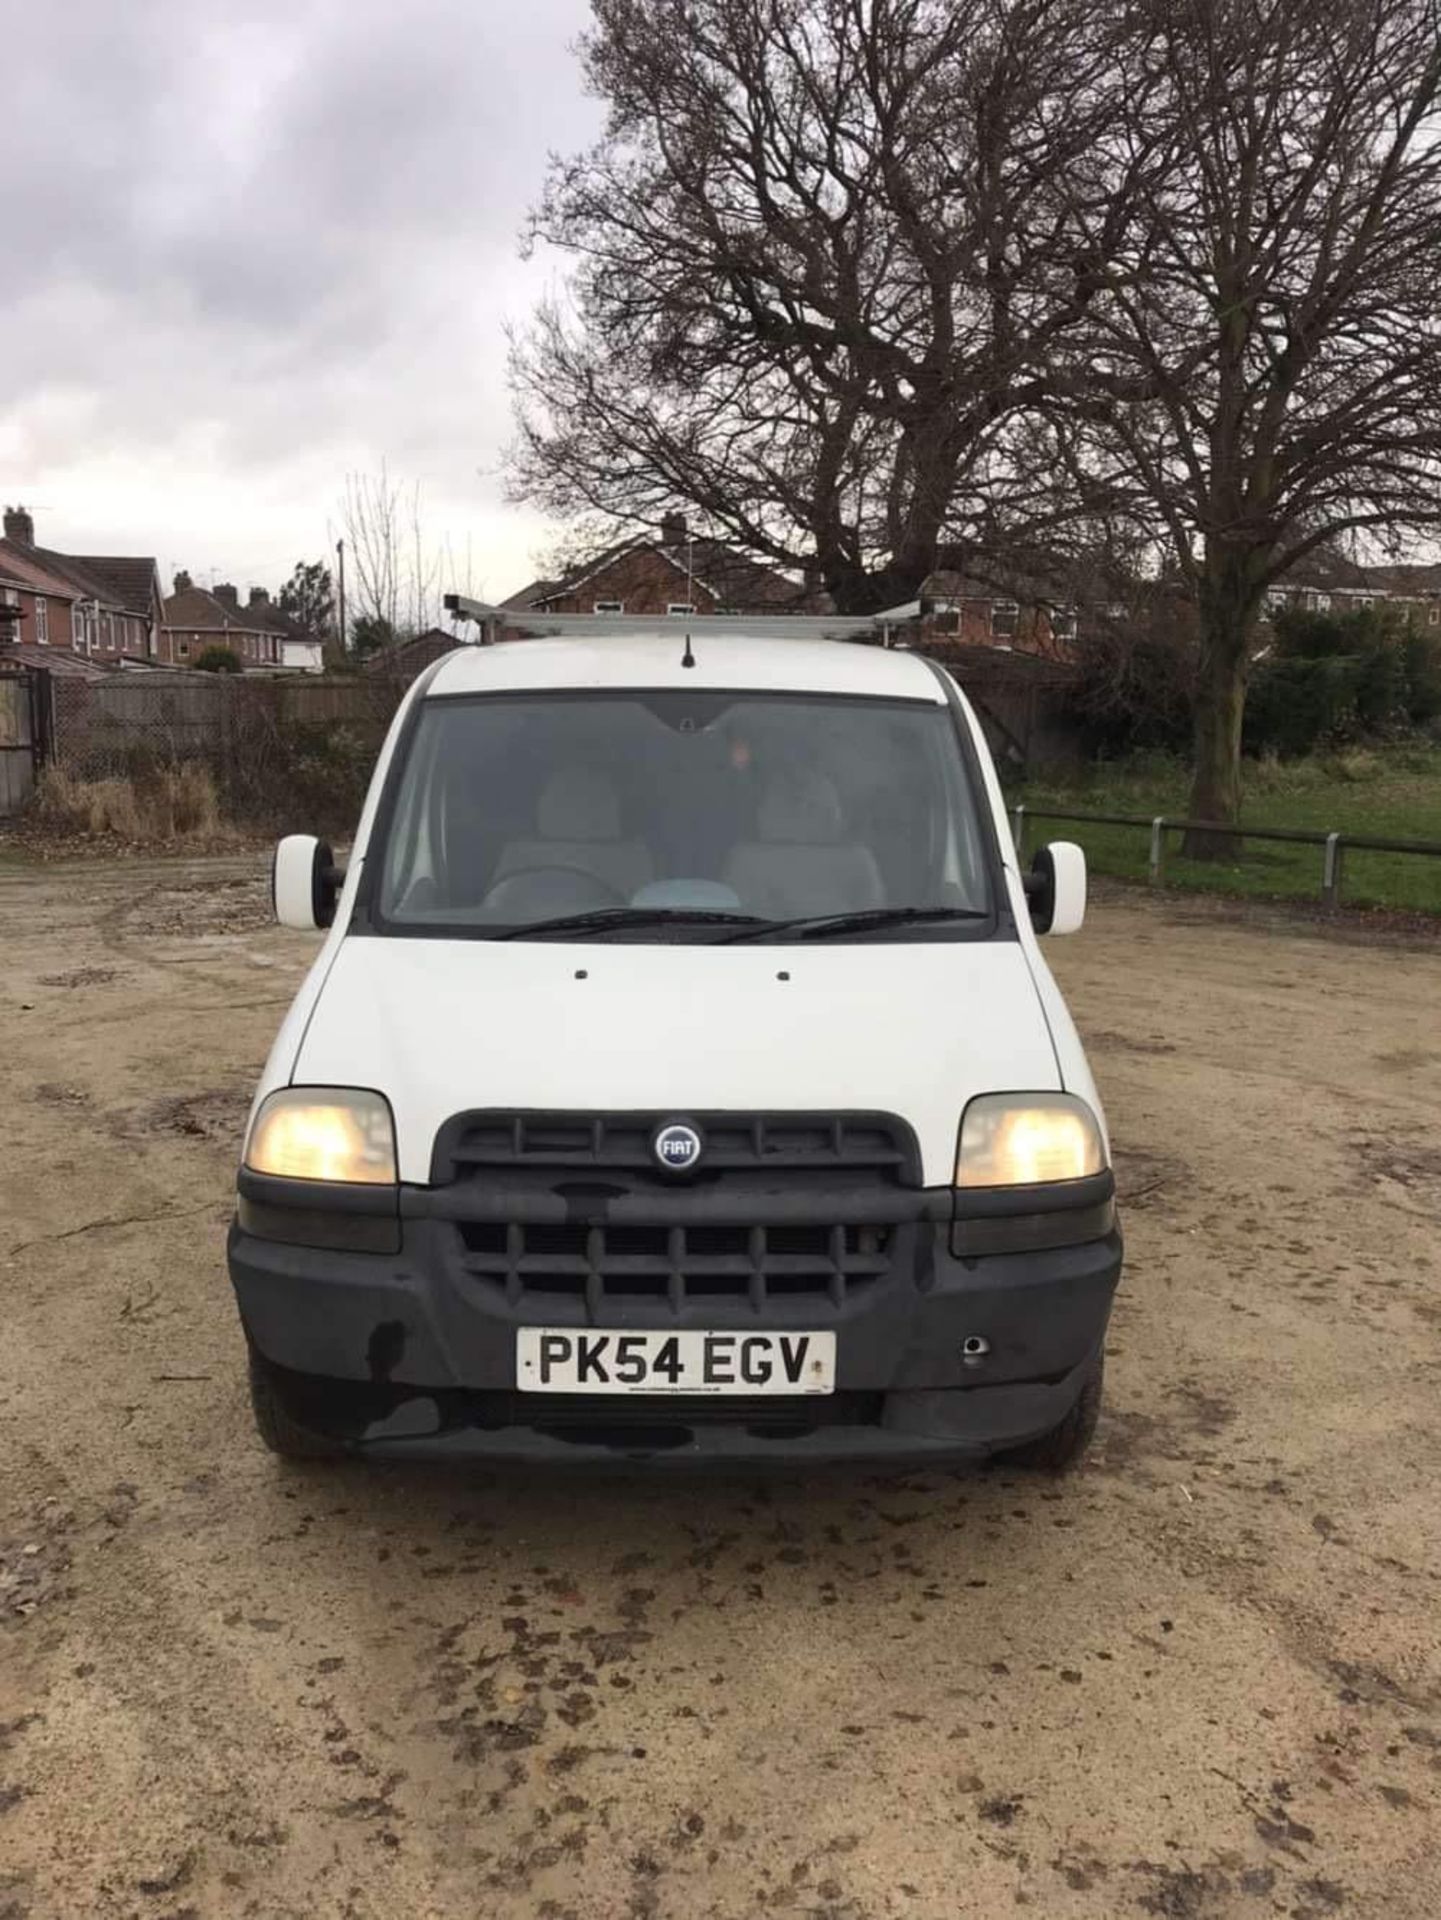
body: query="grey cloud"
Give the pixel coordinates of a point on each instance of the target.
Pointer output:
(250, 233)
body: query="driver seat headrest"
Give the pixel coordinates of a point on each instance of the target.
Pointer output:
(800, 807)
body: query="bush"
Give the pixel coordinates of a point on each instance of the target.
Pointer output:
(1422, 653)
(1135, 690)
(217, 660)
(297, 775)
(1330, 680)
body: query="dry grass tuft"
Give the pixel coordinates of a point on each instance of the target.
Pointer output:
(169, 804)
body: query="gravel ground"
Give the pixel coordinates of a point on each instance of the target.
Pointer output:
(1198, 1679)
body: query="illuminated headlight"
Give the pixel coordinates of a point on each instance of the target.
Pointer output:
(1024, 1140)
(324, 1133)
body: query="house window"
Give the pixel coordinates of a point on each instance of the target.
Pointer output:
(608, 606)
(1063, 623)
(42, 620)
(1434, 617)
(680, 606)
(1005, 617)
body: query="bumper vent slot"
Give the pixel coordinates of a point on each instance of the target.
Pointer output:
(669, 1262)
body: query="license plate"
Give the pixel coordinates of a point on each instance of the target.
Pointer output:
(610, 1360)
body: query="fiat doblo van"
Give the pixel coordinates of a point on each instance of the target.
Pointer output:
(679, 1079)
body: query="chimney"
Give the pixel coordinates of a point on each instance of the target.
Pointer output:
(183, 582)
(673, 530)
(226, 595)
(19, 527)
(259, 597)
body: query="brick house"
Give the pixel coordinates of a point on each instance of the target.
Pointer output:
(104, 606)
(957, 611)
(676, 574)
(195, 619)
(407, 658)
(1330, 583)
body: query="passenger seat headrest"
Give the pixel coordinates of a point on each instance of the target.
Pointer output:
(578, 803)
(801, 807)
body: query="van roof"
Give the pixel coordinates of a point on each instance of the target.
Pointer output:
(731, 660)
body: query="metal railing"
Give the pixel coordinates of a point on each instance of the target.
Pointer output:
(1333, 845)
(499, 622)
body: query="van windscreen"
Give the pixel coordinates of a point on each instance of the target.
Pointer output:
(512, 810)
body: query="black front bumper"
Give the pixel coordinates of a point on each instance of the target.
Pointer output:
(407, 1354)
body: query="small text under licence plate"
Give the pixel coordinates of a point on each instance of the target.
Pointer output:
(612, 1360)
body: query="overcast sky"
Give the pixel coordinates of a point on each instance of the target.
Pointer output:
(252, 245)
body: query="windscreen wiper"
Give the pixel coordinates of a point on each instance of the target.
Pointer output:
(817, 926)
(606, 919)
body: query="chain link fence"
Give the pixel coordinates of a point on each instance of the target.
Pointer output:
(281, 753)
(293, 753)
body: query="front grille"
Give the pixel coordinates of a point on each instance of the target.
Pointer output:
(783, 1207)
(873, 1143)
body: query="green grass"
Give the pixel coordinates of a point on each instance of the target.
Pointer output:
(1391, 792)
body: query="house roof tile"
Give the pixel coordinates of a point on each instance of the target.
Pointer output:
(22, 567)
(201, 612)
(120, 584)
(133, 581)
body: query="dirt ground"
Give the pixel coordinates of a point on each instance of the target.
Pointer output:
(1201, 1678)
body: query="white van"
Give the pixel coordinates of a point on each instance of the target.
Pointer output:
(679, 1080)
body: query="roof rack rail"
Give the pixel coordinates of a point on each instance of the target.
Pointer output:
(496, 623)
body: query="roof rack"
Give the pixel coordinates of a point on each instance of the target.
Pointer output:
(875, 630)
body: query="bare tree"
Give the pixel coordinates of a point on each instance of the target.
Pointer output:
(1268, 350)
(425, 571)
(396, 572)
(371, 520)
(824, 255)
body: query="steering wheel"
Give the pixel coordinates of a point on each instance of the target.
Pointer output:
(529, 890)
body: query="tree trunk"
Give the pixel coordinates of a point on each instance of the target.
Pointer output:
(1229, 609)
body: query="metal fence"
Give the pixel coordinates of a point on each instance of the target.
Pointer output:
(1332, 845)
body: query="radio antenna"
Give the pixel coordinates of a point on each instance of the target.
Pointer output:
(687, 659)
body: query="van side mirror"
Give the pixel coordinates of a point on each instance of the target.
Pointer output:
(1056, 888)
(305, 883)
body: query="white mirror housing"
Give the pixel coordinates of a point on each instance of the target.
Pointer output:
(1056, 888)
(304, 883)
